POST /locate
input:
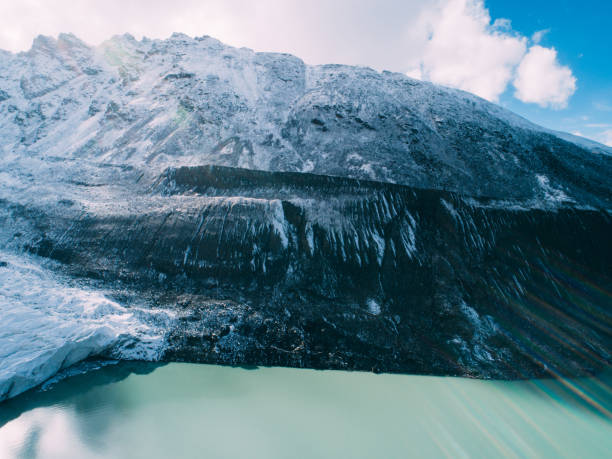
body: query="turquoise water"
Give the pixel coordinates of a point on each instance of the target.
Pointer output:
(203, 411)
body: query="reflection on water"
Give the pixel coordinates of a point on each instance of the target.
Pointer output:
(185, 410)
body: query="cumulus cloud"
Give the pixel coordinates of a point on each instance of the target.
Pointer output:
(465, 50)
(450, 42)
(540, 79)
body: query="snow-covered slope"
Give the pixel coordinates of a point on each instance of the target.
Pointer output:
(185, 101)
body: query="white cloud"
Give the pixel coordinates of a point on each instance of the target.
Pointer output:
(537, 36)
(466, 51)
(450, 42)
(540, 79)
(602, 106)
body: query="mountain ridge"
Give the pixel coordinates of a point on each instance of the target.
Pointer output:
(189, 101)
(591, 144)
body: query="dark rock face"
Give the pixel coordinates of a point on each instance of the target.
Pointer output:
(316, 271)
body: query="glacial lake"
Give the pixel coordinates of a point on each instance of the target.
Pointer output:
(138, 410)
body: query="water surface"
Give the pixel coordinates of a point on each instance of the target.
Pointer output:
(134, 410)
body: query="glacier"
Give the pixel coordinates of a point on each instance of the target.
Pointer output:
(49, 325)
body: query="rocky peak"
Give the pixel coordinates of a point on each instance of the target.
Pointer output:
(43, 44)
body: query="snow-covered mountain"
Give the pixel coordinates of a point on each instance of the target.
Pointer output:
(186, 101)
(182, 199)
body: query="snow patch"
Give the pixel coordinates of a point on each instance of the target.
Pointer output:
(408, 235)
(310, 239)
(369, 170)
(379, 245)
(551, 194)
(308, 166)
(373, 306)
(279, 223)
(451, 209)
(483, 326)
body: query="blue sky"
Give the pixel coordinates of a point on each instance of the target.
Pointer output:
(581, 32)
(547, 60)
